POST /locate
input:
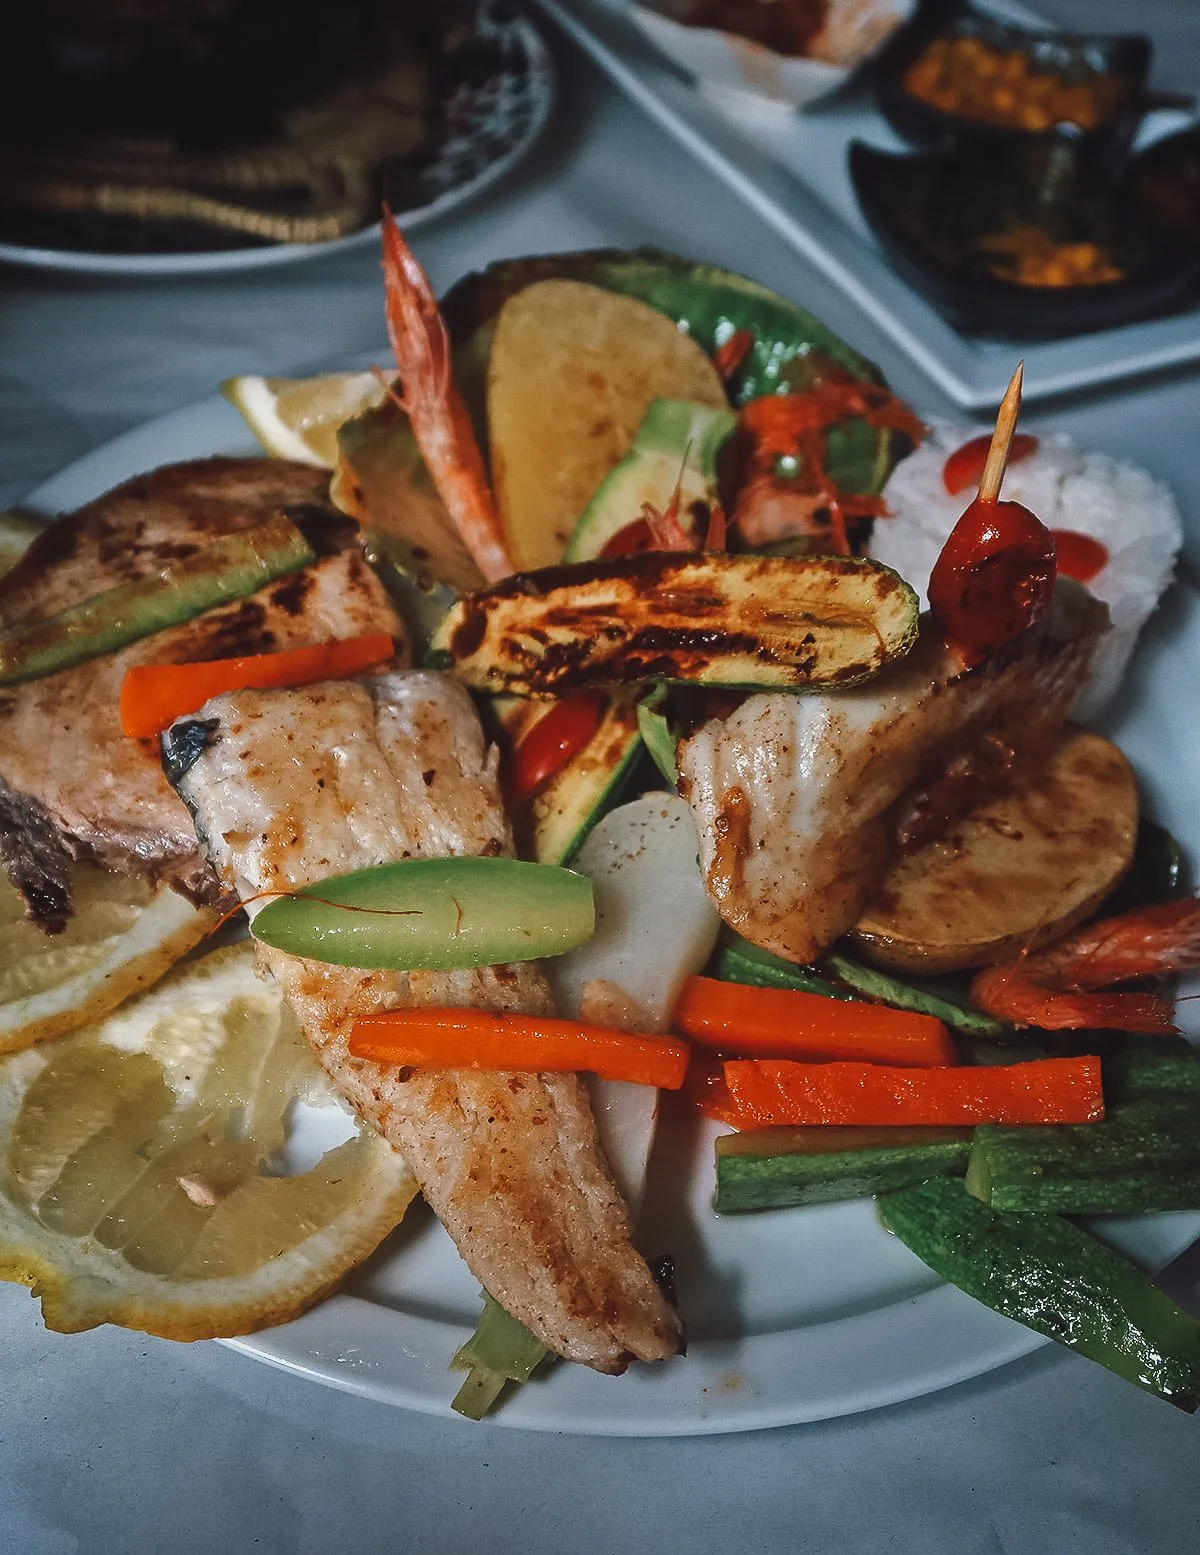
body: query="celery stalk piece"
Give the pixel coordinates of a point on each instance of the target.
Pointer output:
(738, 961)
(229, 568)
(500, 1351)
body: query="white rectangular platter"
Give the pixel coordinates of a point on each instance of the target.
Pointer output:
(791, 169)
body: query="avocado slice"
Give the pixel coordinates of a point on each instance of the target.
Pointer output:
(676, 445)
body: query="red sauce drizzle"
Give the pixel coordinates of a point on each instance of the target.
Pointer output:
(632, 540)
(729, 357)
(1079, 556)
(964, 468)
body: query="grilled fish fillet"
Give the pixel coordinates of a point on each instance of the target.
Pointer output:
(797, 798)
(71, 784)
(289, 787)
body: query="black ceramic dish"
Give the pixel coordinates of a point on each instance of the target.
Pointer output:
(1072, 56)
(1165, 182)
(929, 211)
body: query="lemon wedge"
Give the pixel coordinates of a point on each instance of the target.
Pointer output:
(15, 534)
(123, 936)
(298, 418)
(144, 1173)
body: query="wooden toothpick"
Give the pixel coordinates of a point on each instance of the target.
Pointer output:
(1006, 425)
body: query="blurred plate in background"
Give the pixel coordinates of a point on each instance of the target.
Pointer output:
(488, 121)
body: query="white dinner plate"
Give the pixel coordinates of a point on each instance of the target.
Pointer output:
(791, 170)
(494, 125)
(792, 1316)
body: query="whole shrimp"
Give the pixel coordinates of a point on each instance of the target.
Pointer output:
(1048, 989)
(435, 407)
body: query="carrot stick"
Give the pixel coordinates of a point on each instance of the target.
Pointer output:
(479, 1039)
(705, 1091)
(1046, 1090)
(784, 1023)
(154, 695)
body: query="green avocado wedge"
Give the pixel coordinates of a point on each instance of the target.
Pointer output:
(434, 913)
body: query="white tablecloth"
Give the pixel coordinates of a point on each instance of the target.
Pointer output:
(112, 1442)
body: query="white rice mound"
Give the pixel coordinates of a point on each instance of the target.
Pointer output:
(1131, 514)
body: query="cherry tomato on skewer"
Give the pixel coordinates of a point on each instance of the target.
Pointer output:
(994, 577)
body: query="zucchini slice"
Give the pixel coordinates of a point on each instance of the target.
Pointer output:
(777, 1168)
(707, 619)
(562, 815)
(229, 568)
(674, 449)
(1055, 1278)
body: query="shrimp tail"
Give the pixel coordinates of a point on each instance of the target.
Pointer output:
(435, 407)
(1008, 994)
(1050, 989)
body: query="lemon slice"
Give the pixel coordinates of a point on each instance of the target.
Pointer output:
(298, 418)
(15, 534)
(144, 1173)
(123, 936)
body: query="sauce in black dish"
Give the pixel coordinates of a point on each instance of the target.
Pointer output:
(1106, 72)
(1165, 181)
(962, 226)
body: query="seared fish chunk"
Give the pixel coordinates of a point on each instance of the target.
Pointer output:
(289, 787)
(71, 784)
(798, 799)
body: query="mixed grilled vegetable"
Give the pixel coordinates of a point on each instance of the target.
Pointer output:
(622, 501)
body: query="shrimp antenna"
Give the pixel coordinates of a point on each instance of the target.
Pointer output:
(1006, 424)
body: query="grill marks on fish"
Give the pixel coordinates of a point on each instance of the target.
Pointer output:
(798, 799)
(71, 783)
(293, 786)
(157, 518)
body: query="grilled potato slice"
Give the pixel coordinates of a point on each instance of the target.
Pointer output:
(1018, 870)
